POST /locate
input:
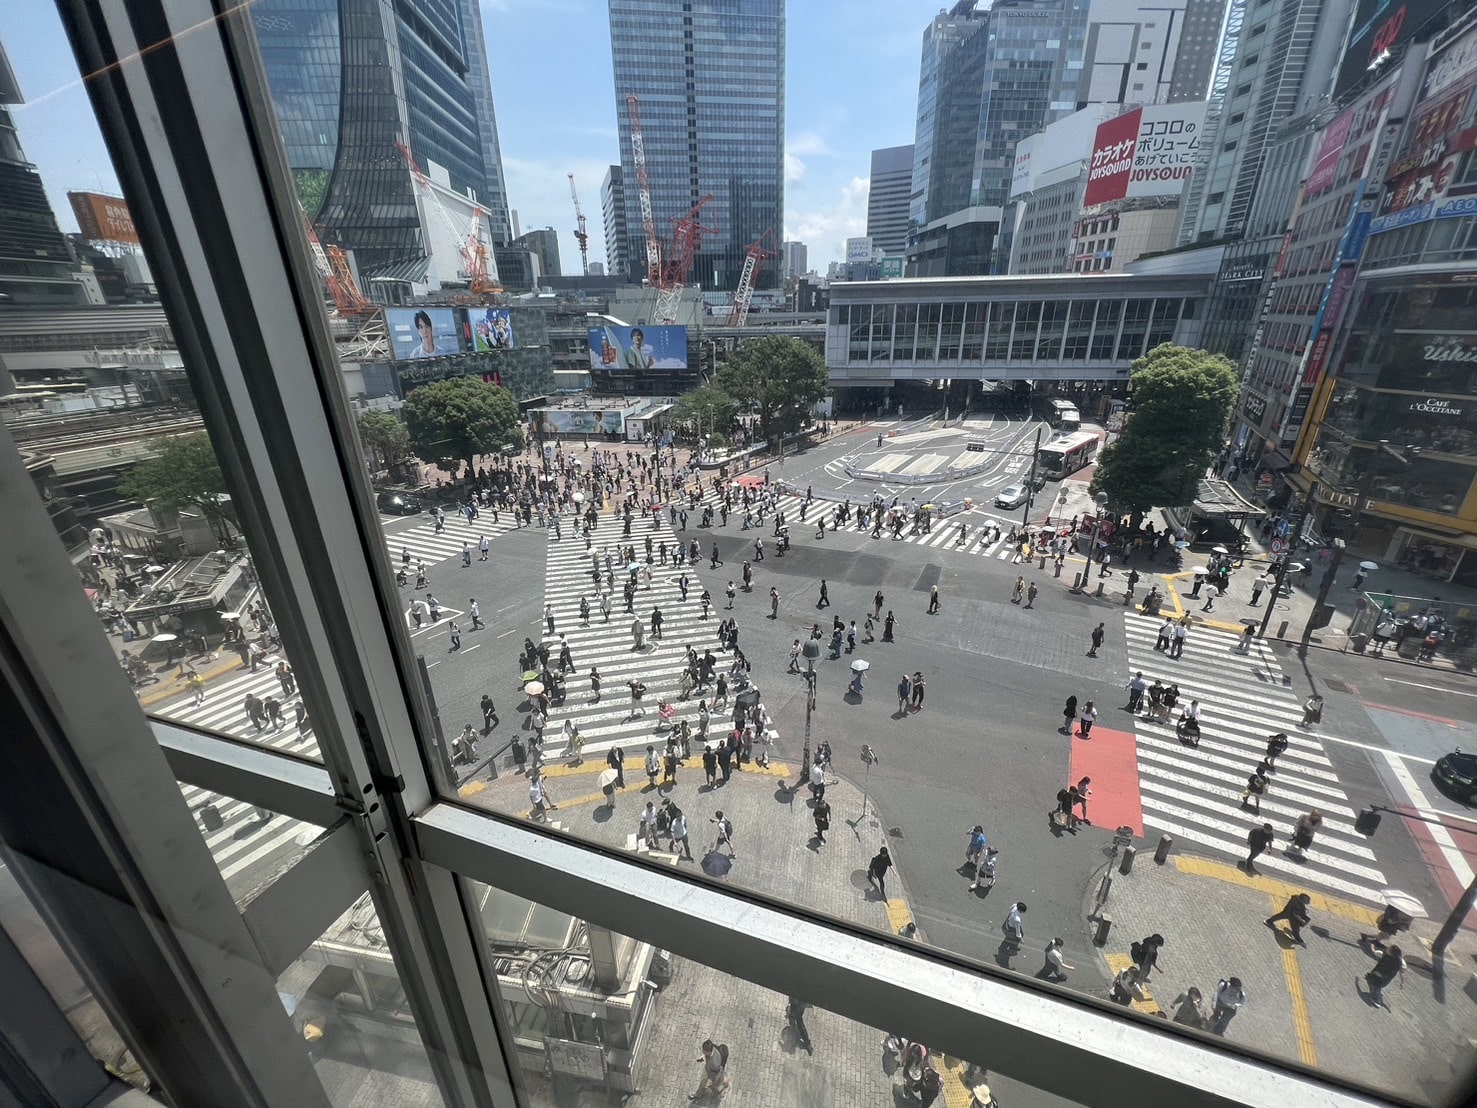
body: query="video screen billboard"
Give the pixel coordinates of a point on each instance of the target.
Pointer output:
(103, 218)
(579, 421)
(423, 333)
(638, 349)
(492, 328)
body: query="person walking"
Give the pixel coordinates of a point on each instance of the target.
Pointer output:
(1069, 715)
(729, 592)
(724, 830)
(877, 871)
(1018, 590)
(825, 598)
(1136, 687)
(710, 766)
(549, 617)
(774, 603)
(1258, 587)
(1389, 966)
(1258, 840)
(1312, 711)
(1256, 788)
(475, 611)
(489, 713)
(1097, 640)
(1229, 997)
(1085, 719)
(615, 758)
(1145, 954)
(1303, 832)
(1014, 928)
(1031, 593)
(904, 692)
(933, 600)
(1189, 1008)
(653, 765)
(1165, 638)
(456, 636)
(1276, 745)
(795, 1021)
(877, 605)
(887, 626)
(1056, 966)
(822, 816)
(677, 828)
(1181, 633)
(919, 685)
(1295, 912)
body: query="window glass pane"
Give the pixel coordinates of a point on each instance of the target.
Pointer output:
(252, 845)
(345, 998)
(102, 404)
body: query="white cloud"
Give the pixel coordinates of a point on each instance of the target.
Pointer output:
(539, 192)
(794, 168)
(808, 142)
(826, 228)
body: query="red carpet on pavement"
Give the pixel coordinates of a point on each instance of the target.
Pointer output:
(1110, 758)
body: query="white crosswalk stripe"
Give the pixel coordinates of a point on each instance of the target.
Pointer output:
(243, 841)
(608, 647)
(1194, 793)
(422, 542)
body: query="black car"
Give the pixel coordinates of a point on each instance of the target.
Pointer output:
(1455, 774)
(398, 503)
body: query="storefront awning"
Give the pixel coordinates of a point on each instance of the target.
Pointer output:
(1217, 499)
(1275, 460)
(1446, 538)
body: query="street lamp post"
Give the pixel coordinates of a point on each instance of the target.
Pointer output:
(811, 650)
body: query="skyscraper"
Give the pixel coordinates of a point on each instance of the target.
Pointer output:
(350, 79)
(613, 214)
(709, 76)
(35, 265)
(794, 259)
(1277, 61)
(887, 198)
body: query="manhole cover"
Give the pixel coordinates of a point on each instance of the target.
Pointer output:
(1339, 686)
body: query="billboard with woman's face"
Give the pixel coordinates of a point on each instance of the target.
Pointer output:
(422, 333)
(638, 349)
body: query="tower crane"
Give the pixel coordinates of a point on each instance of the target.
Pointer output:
(754, 255)
(333, 266)
(643, 193)
(479, 267)
(581, 236)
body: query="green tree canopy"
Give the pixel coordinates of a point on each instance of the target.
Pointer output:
(1182, 401)
(779, 379)
(386, 436)
(710, 410)
(452, 421)
(183, 473)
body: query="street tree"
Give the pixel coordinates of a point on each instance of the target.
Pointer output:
(452, 421)
(710, 410)
(183, 473)
(386, 437)
(1181, 405)
(779, 379)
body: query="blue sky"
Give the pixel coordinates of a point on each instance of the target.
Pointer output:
(851, 85)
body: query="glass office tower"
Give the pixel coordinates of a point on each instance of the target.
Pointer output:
(710, 78)
(350, 79)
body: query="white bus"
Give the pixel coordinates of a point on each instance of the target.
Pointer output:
(1067, 454)
(1062, 415)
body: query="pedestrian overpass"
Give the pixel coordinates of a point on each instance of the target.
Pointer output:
(1043, 328)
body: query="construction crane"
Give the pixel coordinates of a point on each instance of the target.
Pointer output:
(643, 193)
(581, 236)
(333, 266)
(754, 255)
(479, 267)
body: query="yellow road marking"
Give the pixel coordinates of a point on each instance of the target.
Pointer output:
(1172, 594)
(1278, 890)
(899, 915)
(1117, 963)
(596, 764)
(956, 1093)
(1301, 1023)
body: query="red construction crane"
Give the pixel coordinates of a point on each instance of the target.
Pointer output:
(754, 255)
(479, 267)
(333, 266)
(581, 236)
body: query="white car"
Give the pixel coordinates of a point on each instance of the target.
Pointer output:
(1011, 496)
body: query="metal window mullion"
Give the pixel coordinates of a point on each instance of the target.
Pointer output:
(1054, 1044)
(192, 132)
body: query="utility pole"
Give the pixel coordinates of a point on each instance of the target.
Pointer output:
(812, 651)
(1031, 482)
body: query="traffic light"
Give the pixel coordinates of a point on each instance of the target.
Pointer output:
(1367, 822)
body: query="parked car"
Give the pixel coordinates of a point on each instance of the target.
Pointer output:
(398, 503)
(1455, 774)
(1011, 496)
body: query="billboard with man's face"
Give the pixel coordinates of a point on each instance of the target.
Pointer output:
(638, 349)
(422, 333)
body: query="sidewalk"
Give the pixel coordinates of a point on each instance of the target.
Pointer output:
(778, 856)
(1309, 1004)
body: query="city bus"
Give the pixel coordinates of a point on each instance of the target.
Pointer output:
(1061, 415)
(1067, 454)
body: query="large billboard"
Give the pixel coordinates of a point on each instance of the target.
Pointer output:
(423, 333)
(1379, 26)
(1329, 152)
(579, 421)
(1426, 181)
(638, 349)
(492, 328)
(1149, 151)
(103, 218)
